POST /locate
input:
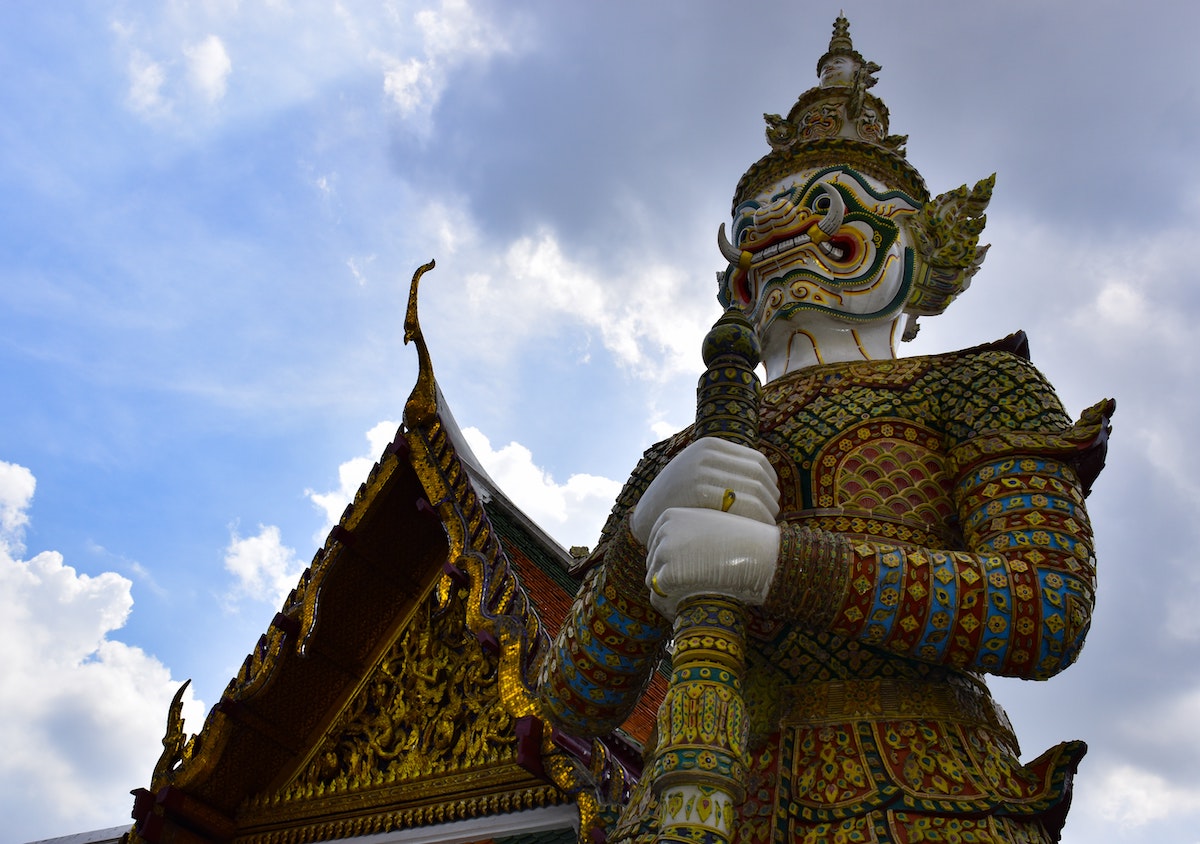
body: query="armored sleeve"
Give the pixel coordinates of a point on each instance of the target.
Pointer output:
(1016, 598)
(612, 640)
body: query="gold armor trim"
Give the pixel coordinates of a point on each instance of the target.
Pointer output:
(956, 699)
(870, 523)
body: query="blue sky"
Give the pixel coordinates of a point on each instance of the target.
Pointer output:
(209, 213)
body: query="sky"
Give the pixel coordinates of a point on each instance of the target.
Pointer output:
(210, 212)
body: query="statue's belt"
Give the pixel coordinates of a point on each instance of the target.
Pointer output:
(956, 698)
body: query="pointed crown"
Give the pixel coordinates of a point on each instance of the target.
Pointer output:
(837, 122)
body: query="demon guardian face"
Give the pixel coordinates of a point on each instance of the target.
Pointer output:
(835, 238)
(828, 243)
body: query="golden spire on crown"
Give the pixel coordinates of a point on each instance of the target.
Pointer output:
(840, 45)
(837, 121)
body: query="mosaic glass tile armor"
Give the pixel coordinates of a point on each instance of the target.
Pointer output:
(939, 499)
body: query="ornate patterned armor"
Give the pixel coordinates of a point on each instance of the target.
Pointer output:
(941, 499)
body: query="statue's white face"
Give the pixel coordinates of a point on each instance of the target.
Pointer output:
(838, 70)
(828, 244)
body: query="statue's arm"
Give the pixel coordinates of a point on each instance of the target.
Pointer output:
(608, 646)
(1018, 603)
(1018, 600)
(612, 639)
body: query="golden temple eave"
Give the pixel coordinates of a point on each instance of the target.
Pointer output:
(394, 687)
(491, 493)
(361, 588)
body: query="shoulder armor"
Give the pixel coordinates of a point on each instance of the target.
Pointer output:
(1017, 343)
(985, 391)
(1000, 405)
(1083, 445)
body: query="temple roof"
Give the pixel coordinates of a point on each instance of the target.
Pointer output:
(394, 688)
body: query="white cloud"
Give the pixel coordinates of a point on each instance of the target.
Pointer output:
(1132, 797)
(209, 67)
(1118, 303)
(83, 713)
(662, 429)
(1121, 307)
(298, 51)
(451, 35)
(351, 475)
(1161, 440)
(572, 513)
(146, 78)
(457, 30)
(448, 227)
(644, 313)
(265, 569)
(16, 492)
(358, 267)
(413, 85)
(154, 95)
(1166, 722)
(643, 316)
(1131, 292)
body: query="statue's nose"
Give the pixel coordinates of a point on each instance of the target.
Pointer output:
(771, 214)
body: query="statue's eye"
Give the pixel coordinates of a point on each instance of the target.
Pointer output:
(821, 202)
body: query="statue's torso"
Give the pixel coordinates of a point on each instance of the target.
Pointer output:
(845, 736)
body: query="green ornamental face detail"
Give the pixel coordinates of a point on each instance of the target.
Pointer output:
(831, 240)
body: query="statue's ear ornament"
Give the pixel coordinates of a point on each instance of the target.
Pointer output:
(946, 242)
(781, 133)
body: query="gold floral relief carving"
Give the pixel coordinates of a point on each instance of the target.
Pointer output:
(431, 706)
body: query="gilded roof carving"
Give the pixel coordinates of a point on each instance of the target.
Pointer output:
(393, 688)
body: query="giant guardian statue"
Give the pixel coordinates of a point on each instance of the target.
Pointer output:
(839, 558)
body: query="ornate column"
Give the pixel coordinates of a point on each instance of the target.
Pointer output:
(702, 726)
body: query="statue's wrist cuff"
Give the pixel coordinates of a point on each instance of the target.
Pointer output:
(812, 576)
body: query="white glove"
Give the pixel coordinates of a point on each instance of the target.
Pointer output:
(695, 551)
(705, 474)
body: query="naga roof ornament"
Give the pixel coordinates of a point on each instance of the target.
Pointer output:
(839, 122)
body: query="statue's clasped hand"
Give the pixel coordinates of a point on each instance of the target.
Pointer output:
(713, 474)
(708, 524)
(695, 551)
